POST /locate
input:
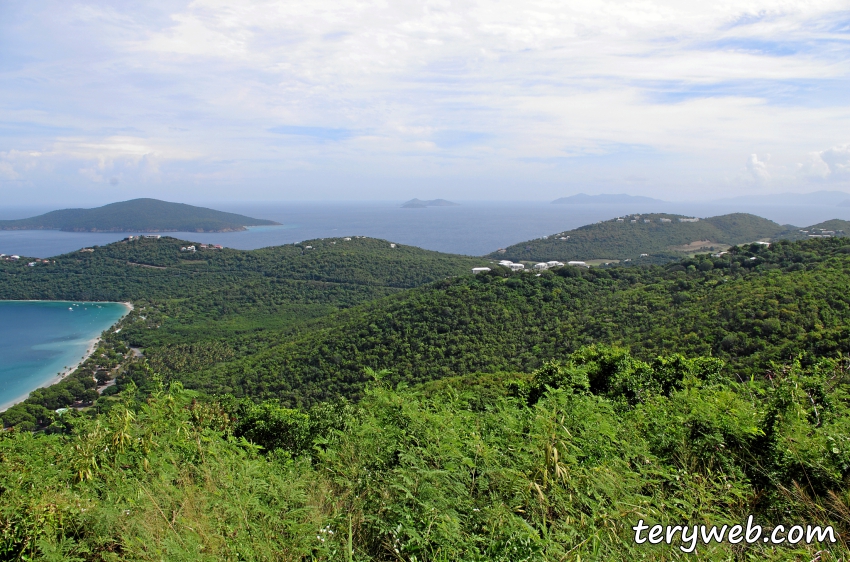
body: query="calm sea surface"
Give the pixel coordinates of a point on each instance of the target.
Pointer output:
(39, 339)
(472, 228)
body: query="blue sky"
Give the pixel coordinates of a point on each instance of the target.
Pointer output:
(231, 100)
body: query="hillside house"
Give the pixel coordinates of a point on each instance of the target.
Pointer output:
(689, 220)
(477, 270)
(516, 266)
(541, 266)
(663, 221)
(578, 263)
(554, 264)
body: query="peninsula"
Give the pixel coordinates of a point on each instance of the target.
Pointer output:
(137, 215)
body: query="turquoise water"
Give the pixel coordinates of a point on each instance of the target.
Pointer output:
(38, 339)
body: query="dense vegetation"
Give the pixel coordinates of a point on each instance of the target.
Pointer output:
(353, 401)
(556, 466)
(633, 235)
(137, 215)
(214, 285)
(752, 306)
(195, 308)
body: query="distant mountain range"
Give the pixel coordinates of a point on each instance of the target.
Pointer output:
(420, 204)
(137, 215)
(604, 199)
(839, 198)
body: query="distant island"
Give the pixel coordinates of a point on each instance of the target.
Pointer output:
(137, 215)
(604, 199)
(420, 204)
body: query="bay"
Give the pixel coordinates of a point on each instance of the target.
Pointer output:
(472, 228)
(39, 339)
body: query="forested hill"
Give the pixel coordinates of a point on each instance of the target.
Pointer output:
(217, 290)
(137, 215)
(663, 237)
(751, 306)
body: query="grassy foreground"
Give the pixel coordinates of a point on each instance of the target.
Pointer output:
(554, 466)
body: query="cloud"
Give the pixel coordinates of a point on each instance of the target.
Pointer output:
(7, 171)
(758, 168)
(218, 91)
(832, 164)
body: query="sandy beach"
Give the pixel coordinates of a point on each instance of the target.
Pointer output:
(90, 348)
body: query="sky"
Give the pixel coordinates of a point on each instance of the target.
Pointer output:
(375, 100)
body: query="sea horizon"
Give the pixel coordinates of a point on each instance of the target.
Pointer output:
(473, 228)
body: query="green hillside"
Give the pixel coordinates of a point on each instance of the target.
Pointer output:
(659, 235)
(222, 290)
(137, 215)
(505, 416)
(791, 299)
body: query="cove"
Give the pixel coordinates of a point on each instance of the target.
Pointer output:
(41, 339)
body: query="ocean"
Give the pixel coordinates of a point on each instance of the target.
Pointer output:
(473, 228)
(39, 339)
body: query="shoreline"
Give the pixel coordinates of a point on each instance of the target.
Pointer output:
(91, 347)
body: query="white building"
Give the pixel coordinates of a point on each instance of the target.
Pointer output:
(477, 270)
(516, 266)
(577, 263)
(664, 220)
(554, 264)
(392, 245)
(689, 220)
(541, 266)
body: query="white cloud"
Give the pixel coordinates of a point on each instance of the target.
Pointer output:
(472, 88)
(7, 171)
(758, 168)
(832, 164)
